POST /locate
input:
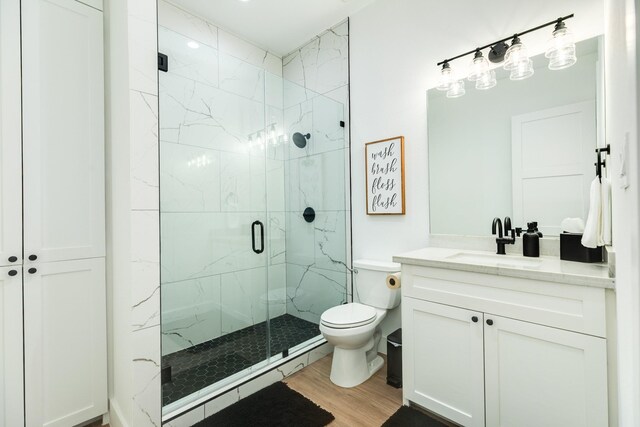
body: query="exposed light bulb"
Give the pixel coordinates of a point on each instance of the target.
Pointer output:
(446, 77)
(516, 55)
(561, 49)
(479, 67)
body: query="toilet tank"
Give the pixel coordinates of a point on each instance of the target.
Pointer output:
(370, 283)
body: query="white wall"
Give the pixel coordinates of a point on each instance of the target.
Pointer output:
(133, 281)
(622, 82)
(117, 215)
(394, 50)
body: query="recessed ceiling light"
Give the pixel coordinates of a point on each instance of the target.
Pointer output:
(193, 45)
(244, 1)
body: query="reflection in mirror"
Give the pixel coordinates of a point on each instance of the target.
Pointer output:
(523, 148)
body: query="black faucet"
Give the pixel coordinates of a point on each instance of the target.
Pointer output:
(502, 240)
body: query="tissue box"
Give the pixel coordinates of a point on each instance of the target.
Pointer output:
(571, 249)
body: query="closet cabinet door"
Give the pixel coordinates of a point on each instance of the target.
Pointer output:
(11, 389)
(10, 135)
(541, 376)
(65, 342)
(63, 130)
(443, 358)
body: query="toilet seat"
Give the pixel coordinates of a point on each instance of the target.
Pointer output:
(349, 315)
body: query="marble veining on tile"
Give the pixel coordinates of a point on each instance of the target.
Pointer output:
(322, 64)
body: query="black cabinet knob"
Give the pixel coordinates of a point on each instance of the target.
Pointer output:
(33, 257)
(13, 258)
(474, 319)
(489, 322)
(13, 272)
(32, 270)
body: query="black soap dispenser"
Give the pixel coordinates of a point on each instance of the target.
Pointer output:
(531, 240)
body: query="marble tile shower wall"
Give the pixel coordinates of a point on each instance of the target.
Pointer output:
(219, 90)
(316, 99)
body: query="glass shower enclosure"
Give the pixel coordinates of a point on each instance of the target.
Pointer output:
(255, 222)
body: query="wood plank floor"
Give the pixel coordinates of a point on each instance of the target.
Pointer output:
(369, 404)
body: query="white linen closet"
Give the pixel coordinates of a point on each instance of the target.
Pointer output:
(52, 213)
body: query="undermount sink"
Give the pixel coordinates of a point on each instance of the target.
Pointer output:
(494, 260)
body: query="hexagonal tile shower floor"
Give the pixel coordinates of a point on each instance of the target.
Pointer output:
(204, 364)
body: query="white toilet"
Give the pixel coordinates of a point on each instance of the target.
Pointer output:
(354, 328)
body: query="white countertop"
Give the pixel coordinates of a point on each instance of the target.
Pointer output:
(550, 269)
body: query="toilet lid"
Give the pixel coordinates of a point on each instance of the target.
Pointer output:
(348, 316)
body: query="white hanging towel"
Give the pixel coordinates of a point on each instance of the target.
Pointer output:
(597, 231)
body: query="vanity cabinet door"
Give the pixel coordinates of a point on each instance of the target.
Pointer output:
(541, 376)
(443, 359)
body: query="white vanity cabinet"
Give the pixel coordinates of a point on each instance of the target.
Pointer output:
(542, 376)
(442, 349)
(488, 350)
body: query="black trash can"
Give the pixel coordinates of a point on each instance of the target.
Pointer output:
(394, 359)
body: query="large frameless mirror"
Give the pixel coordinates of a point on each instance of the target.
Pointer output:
(523, 149)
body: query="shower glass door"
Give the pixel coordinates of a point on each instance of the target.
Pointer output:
(254, 217)
(213, 217)
(307, 176)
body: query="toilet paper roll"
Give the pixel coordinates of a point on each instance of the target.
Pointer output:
(393, 280)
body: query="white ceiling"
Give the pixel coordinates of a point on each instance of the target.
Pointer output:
(277, 25)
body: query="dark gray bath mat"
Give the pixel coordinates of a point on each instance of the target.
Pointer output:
(409, 417)
(274, 406)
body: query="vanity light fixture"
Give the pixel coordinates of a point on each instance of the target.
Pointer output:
(561, 49)
(517, 60)
(480, 73)
(479, 67)
(446, 77)
(449, 82)
(561, 52)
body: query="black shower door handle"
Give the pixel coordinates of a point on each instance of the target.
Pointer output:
(253, 237)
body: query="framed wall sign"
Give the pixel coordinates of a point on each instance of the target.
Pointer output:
(384, 162)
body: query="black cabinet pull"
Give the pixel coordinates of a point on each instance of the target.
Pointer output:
(253, 237)
(489, 322)
(13, 273)
(33, 257)
(32, 270)
(13, 258)
(474, 319)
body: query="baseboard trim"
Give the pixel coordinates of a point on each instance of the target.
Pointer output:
(116, 419)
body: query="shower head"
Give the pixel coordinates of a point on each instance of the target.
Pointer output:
(300, 140)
